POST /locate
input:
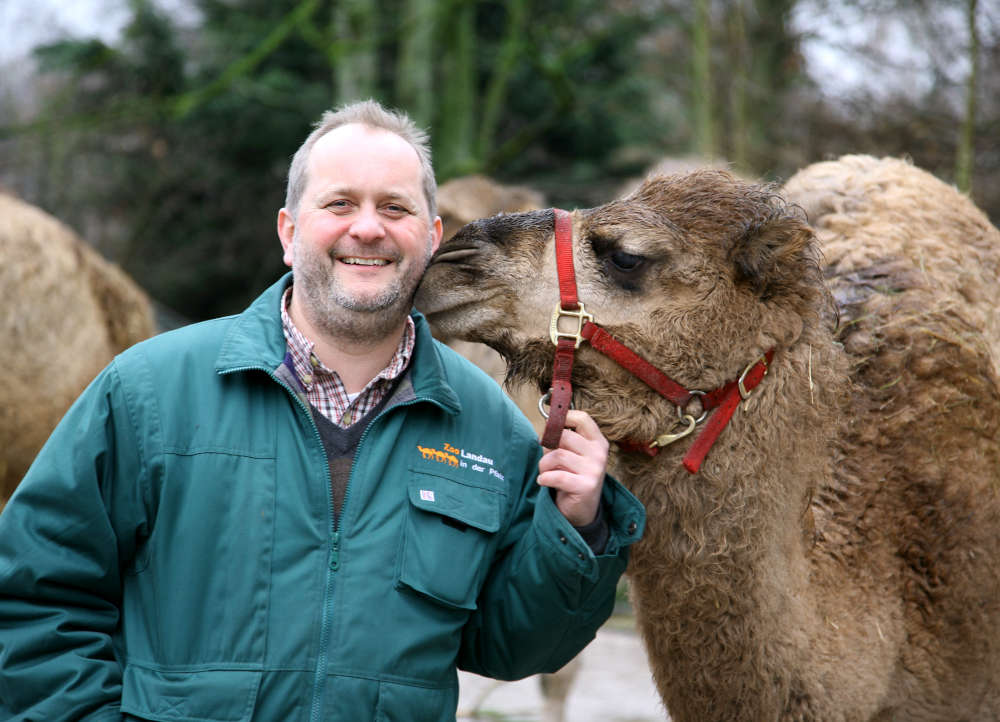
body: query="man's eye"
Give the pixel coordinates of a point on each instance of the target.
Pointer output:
(396, 209)
(338, 205)
(625, 261)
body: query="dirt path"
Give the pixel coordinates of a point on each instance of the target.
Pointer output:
(613, 685)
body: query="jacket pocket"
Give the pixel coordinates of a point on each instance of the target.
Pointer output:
(448, 538)
(202, 696)
(409, 703)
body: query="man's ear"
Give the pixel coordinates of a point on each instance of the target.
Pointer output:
(437, 229)
(286, 232)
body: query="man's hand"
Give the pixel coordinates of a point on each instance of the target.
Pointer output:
(576, 469)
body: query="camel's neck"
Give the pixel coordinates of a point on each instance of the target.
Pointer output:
(721, 578)
(722, 595)
(731, 538)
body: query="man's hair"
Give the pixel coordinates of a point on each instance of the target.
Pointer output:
(373, 115)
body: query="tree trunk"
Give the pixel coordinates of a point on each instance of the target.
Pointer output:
(510, 51)
(415, 66)
(739, 79)
(354, 28)
(773, 63)
(701, 62)
(964, 159)
(454, 136)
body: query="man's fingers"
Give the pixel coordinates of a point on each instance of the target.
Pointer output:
(564, 469)
(559, 479)
(572, 441)
(576, 487)
(561, 458)
(583, 424)
(582, 435)
(575, 470)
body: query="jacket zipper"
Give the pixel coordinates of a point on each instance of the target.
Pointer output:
(334, 549)
(332, 565)
(335, 555)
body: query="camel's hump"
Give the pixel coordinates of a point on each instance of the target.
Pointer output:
(906, 255)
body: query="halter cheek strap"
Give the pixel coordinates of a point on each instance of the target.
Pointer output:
(566, 344)
(724, 400)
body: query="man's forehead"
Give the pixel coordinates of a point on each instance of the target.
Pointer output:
(352, 135)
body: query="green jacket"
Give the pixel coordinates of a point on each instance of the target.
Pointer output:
(172, 553)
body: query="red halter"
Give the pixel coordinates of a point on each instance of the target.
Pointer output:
(725, 398)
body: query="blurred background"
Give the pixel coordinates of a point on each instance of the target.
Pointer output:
(161, 130)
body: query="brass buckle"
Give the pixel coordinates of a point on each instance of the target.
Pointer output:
(581, 316)
(744, 393)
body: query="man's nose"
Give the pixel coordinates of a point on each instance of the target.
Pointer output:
(367, 225)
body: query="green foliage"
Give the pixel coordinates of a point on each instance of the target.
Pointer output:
(78, 56)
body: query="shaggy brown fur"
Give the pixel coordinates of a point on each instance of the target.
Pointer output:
(836, 557)
(68, 311)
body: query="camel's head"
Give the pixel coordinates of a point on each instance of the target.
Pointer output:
(699, 274)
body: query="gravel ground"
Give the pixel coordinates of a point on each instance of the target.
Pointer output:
(613, 685)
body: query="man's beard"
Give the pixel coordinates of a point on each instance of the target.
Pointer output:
(336, 312)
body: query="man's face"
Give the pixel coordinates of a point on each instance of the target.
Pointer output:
(362, 237)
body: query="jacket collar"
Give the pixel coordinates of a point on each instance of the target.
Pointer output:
(255, 340)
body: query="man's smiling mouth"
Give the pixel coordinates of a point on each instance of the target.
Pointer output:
(354, 261)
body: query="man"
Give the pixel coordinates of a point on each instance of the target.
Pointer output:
(312, 510)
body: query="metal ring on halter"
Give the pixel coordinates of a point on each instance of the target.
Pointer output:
(704, 411)
(544, 401)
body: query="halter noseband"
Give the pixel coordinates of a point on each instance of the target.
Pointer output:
(724, 399)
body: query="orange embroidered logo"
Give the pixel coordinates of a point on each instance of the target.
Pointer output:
(437, 455)
(453, 456)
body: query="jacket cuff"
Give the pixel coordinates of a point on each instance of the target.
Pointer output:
(624, 515)
(595, 534)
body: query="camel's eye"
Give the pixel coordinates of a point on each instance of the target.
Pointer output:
(623, 261)
(624, 269)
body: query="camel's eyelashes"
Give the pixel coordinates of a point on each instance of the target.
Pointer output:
(615, 260)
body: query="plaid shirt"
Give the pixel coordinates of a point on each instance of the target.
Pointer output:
(325, 390)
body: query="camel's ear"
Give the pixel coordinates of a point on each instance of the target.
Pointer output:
(774, 255)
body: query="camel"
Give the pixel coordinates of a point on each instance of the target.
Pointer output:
(69, 312)
(834, 553)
